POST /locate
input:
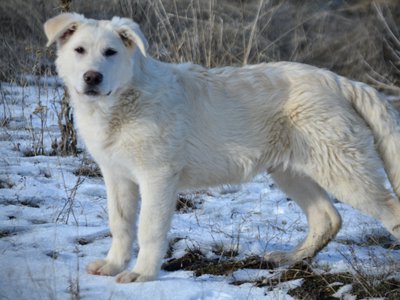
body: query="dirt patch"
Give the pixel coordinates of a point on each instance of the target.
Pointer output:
(188, 202)
(91, 238)
(382, 240)
(5, 233)
(197, 262)
(324, 286)
(88, 169)
(221, 250)
(6, 183)
(315, 285)
(52, 254)
(27, 202)
(38, 222)
(11, 231)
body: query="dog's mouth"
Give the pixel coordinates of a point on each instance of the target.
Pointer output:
(92, 93)
(95, 93)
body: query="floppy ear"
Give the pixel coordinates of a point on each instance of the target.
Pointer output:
(130, 34)
(61, 27)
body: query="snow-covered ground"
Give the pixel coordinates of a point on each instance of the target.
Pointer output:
(53, 222)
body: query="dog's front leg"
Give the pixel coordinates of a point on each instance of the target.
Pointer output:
(158, 204)
(122, 198)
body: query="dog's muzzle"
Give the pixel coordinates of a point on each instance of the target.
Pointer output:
(92, 80)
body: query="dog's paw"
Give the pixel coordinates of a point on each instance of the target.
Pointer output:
(127, 277)
(280, 258)
(104, 268)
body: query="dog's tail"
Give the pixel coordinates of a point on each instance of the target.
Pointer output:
(384, 122)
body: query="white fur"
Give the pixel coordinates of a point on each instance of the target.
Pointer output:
(157, 128)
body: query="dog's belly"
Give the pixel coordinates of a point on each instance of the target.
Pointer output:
(214, 169)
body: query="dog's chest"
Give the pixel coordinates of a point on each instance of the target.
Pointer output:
(94, 128)
(119, 146)
(94, 134)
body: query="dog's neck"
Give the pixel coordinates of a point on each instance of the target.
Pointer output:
(145, 69)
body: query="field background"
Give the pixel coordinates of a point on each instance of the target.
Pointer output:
(355, 38)
(53, 217)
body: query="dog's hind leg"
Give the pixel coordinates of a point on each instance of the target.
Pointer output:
(323, 219)
(346, 164)
(363, 188)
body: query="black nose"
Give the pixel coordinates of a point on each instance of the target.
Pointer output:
(92, 78)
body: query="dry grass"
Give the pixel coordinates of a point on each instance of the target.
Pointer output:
(315, 283)
(357, 38)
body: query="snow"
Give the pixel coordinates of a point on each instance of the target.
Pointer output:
(52, 222)
(343, 291)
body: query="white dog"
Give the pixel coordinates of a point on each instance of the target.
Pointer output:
(156, 128)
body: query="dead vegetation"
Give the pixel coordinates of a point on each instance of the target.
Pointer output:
(358, 39)
(315, 284)
(188, 202)
(194, 260)
(88, 168)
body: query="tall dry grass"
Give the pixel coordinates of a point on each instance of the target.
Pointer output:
(358, 38)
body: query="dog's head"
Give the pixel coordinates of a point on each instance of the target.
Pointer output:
(95, 58)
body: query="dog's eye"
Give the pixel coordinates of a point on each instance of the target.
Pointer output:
(110, 52)
(80, 50)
